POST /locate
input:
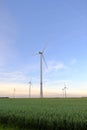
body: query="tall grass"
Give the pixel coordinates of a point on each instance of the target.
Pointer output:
(44, 114)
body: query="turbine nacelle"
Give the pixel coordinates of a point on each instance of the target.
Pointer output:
(40, 52)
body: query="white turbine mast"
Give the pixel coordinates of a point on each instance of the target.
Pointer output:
(42, 58)
(65, 89)
(14, 92)
(30, 84)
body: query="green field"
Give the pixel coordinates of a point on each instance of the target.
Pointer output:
(44, 114)
(6, 128)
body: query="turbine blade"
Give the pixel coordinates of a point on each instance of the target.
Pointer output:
(44, 48)
(35, 54)
(64, 85)
(44, 61)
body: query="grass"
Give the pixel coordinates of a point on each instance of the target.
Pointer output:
(44, 114)
(7, 128)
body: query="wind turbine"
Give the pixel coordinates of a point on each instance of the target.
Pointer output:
(65, 89)
(14, 93)
(63, 92)
(41, 53)
(30, 84)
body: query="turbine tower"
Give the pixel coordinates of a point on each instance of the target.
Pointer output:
(41, 81)
(65, 89)
(30, 84)
(63, 92)
(14, 93)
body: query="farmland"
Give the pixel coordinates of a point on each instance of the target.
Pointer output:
(44, 114)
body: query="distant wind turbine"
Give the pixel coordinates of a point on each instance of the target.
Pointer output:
(42, 58)
(30, 84)
(14, 93)
(63, 92)
(65, 89)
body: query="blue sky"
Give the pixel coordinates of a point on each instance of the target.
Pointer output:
(26, 27)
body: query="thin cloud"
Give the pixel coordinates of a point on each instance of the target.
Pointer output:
(55, 66)
(73, 61)
(12, 76)
(59, 66)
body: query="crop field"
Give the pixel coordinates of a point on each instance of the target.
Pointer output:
(6, 128)
(44, 114)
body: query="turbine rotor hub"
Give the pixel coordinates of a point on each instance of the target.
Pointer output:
(40, 52)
